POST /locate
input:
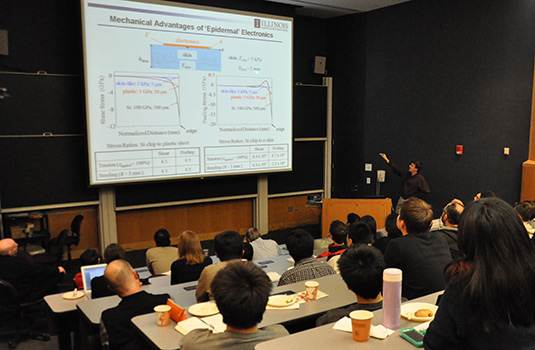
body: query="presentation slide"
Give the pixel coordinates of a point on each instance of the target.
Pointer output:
(182, 91)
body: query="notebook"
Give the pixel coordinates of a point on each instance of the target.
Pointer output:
(88, 273)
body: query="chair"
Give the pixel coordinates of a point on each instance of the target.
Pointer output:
(55, 250)
(14, 316)
(74, 238)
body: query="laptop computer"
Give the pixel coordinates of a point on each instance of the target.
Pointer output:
(88, 273)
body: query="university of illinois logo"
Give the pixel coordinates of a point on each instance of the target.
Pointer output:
(257, 22)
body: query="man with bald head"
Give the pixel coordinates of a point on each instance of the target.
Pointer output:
(32, 281)
(117, 332)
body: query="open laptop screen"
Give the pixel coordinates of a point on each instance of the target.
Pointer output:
(89, 272)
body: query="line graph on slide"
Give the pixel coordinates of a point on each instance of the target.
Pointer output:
(244, 101)
(146, 99)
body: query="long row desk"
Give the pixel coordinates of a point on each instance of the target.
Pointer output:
(325, 337)
(333, 285)
(183, 294)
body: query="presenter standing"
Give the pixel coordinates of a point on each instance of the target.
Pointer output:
(413, 184)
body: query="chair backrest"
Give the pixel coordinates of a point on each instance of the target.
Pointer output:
(75, 225)
(62, 238)
(9, 302)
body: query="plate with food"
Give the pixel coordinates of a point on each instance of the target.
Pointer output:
(281, 300)
(203, 309)
(420, 312)
(76, 294)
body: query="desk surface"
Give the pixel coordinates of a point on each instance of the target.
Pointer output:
(325, 337)
(183, 294)
(334, 286)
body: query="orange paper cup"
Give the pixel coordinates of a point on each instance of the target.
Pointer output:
(311, 290)
(163, 314)
(361, 322)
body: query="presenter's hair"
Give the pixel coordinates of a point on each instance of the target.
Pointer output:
(228, 245)
(361, 267)
(338, 231)
(300, 244)
(417, 215)
(162, 238)
(418, 165)
(241, 291)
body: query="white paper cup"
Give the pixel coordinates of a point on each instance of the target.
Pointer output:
(163, 314)
(311, 288)
(361, 323)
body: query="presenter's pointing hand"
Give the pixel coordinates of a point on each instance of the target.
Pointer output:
(384, 157)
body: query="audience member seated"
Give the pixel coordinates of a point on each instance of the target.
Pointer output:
(32, 281)
(338, 233)
(420, 254)
(451, 215)
(191, 260)
(300, 245)
(489, 302)
(262, 248)
(228, 246)
(160, 258)
(361, 267)
(358, 234)
(117, 330)
(89, 257)
(370, 221)
(352, 218)
(241, 291)
(99, 286)
(392, 232)
(484, 194)
(526, 211)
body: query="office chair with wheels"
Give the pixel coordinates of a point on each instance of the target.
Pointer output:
(14, 316)
(74, 238)
(54, 255)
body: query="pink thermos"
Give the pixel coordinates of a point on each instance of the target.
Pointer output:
(392, 298)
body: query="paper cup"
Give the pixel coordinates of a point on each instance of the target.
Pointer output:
(163, 314)
(361, 322)
(311, 290)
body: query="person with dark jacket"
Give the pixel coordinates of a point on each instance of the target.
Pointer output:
(32, 281)
(117, 330)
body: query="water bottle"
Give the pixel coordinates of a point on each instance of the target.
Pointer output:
(392, 298)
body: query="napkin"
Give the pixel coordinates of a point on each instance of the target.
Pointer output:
(273, 276)
(380, 332)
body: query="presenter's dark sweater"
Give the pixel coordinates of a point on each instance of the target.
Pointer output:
(422, 258)
(413, 185)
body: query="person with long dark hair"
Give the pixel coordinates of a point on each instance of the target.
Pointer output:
(490, 300)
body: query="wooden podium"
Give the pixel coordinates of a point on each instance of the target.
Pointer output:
(337, 209)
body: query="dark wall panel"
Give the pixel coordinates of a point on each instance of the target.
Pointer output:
(310, 111)
(307, 173)
(441, 73)
(44, 170)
